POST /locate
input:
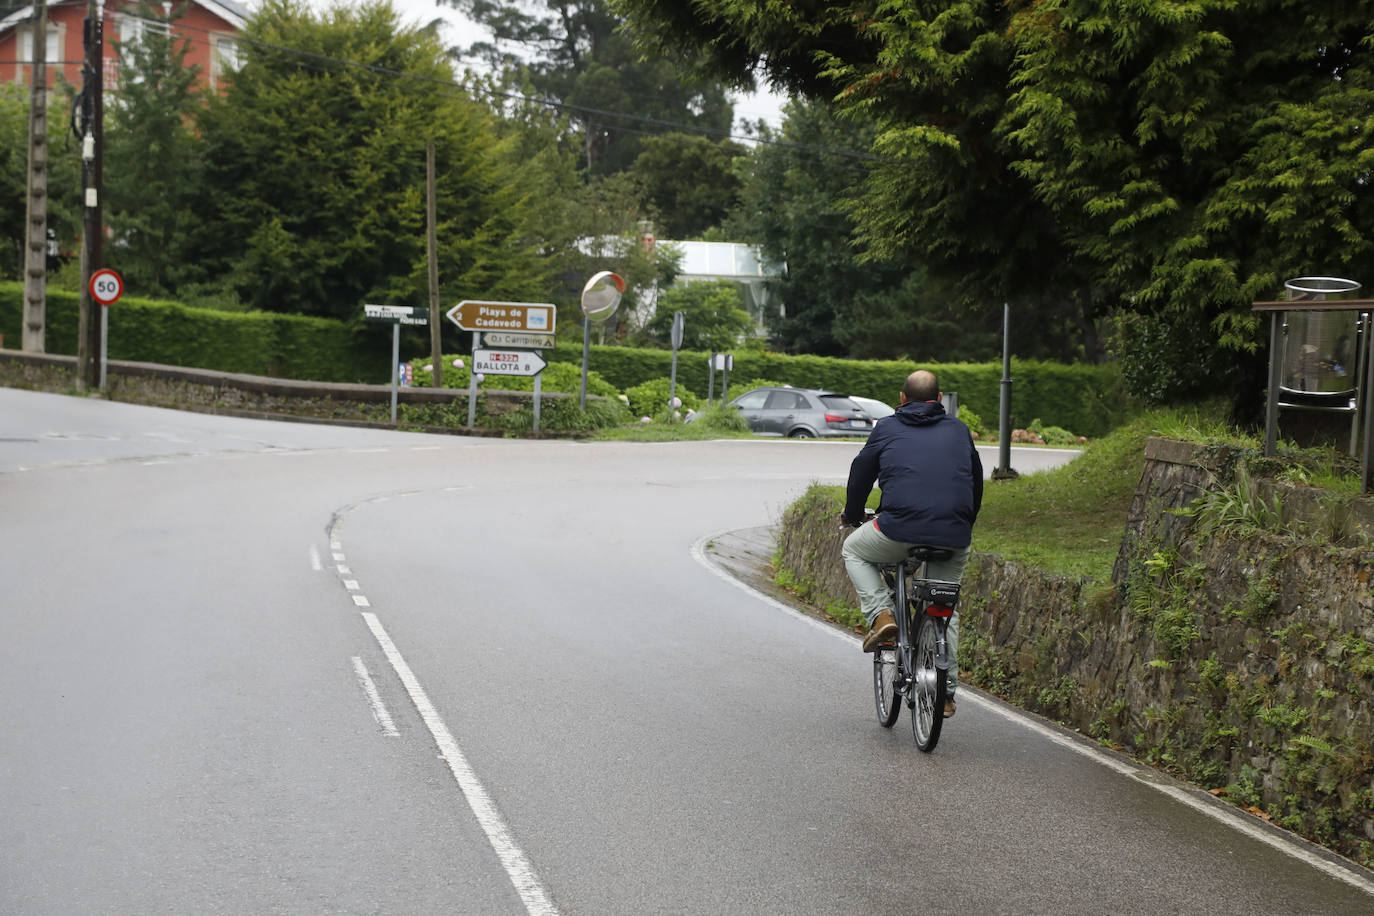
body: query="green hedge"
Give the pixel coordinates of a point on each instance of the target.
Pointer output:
(1089, 400)
(254, 343)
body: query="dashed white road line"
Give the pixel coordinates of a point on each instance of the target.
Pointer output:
(374, 699)
(518, 867)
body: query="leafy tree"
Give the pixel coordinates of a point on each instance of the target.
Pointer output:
(796, 204)
(713, 315)
(1175, 158)
(690, 182)
(579, 54)
(64, 178)
(151, 160)
(315, 171)
(1200, 155)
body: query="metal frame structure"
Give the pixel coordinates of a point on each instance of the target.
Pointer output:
(1364, 377)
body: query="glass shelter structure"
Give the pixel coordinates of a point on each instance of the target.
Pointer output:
(1320, 348)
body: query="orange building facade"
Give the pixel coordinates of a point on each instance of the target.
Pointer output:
(210, 26)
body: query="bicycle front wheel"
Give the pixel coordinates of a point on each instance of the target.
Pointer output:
(928, 687)
(885, 686)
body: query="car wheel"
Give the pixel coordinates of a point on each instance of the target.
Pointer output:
(801, 432)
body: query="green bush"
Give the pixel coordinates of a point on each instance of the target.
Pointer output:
(1052, 435)
(739, 388)
(564, 415)
(555, 377)
(649, 399)
(1088, 399)
(722, 419)
(1160, 360)
(254, 343)
(974, 422)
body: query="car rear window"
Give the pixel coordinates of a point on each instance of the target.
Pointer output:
(838, 402)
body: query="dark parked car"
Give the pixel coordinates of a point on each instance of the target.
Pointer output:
(802, 413)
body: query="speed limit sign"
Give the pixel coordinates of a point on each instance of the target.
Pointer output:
(106, 286)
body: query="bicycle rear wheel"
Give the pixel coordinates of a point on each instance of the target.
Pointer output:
(885, 686)
(927, 688)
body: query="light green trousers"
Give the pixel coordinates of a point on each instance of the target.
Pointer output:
(867, 548)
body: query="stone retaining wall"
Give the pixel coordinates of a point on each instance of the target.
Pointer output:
(258, 396)
(1237, 651)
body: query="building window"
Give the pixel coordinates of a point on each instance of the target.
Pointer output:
(132, 28)
(225, 61)
(54, 48)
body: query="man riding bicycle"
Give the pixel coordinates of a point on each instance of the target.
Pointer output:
(931, 479)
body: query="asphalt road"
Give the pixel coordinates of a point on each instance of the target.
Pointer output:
(255, 667)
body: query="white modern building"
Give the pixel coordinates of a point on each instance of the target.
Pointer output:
(742, 264)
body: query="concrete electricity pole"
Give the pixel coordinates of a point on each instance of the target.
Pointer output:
(432, 253)
(36, 208)
(93, 114)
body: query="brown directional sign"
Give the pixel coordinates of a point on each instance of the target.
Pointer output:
(477, 315)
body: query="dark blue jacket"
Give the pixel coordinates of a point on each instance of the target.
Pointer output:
(930, 474)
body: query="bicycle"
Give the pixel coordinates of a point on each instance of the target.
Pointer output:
(918, 665)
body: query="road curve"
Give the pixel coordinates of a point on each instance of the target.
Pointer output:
(269, 667)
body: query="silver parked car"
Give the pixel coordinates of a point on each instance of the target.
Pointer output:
(876, 410)
(802, 413)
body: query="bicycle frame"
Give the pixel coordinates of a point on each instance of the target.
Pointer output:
(920, 660)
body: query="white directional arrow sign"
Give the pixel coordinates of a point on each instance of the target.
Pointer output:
(507, 362)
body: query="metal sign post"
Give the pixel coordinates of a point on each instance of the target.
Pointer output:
(472, 379)
(395, 315)
(724, 362)
(106, 288)
(1004, 470)
(522, 324)
(677, 342)
(600, 299)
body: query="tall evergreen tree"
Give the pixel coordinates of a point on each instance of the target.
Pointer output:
(64, 179)
(797, 203)
(580, 55)
(690, 182)
(315, 176)
(151, 159)
(1180, 158)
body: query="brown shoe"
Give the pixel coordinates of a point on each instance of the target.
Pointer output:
(884, 630)
(950, 708)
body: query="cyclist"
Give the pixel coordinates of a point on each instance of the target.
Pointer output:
(931, 479)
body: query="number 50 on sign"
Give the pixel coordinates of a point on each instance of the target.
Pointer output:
(106, 286)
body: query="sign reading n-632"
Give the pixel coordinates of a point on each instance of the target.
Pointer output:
(477, 315)
(507, 362)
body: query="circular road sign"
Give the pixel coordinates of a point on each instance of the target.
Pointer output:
(106, 286)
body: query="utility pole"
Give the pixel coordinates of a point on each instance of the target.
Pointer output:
(34, 336)
(431, 244)
(93, 114)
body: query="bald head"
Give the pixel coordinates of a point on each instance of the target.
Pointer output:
(921, 386)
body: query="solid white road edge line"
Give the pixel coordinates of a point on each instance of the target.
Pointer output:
(1227, 815)
(699, 554)
(374, 699)
(513, 859)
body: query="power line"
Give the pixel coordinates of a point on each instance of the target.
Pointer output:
(459, 90)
